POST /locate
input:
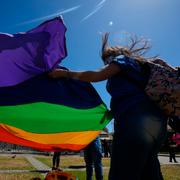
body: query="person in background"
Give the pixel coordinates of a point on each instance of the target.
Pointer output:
(172, 148)
(139, 125)
(93, 158)
(56, 161)
(106, 148)
(106, 144)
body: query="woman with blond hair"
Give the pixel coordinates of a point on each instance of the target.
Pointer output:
(139, 125)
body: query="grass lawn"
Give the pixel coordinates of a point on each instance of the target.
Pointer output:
(9, 163)
(74, 161)
(20, 176)
(67, 161)
(170, 172)
(82, 174)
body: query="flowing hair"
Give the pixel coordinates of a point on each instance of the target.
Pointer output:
(136, 49)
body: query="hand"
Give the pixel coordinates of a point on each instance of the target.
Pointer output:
(57, 73)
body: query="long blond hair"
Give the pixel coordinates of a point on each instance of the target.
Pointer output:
(136, 49)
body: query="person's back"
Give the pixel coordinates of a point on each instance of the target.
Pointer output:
(125, 94)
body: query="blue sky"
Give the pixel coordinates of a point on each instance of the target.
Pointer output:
(156, 20)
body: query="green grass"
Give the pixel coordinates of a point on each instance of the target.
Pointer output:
(75, 161)
(67, 161)
(20, 176)
(82, 174)
(17, 163)
(170, 172)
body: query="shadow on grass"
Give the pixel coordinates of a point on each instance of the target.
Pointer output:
(39, 171)
(76, 167)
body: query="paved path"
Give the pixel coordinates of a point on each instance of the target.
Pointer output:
(40, 167)
(36, 163)
(14, 171)
(164, 159)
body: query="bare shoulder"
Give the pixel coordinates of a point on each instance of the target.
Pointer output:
(106, 72)
(111, 69)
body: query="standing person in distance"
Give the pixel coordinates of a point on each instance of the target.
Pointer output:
(56, 161)
(93, 158)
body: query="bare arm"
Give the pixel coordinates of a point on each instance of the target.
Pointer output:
(88, 76)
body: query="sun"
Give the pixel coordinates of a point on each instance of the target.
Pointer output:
(111, 23)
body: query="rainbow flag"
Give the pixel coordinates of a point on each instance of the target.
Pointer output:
(25, 55)
(40, 112)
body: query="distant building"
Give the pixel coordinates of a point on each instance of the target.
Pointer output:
(13, 147)
(105, 135)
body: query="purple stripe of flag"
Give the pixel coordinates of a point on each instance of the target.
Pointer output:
(25, 55)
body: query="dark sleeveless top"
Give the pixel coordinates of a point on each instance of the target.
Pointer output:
(126, 88)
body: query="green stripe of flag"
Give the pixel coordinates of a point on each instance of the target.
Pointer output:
(52, 118)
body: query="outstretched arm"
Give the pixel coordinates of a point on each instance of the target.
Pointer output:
(88, 76)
